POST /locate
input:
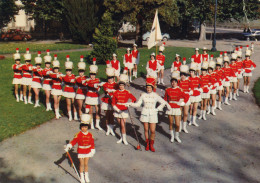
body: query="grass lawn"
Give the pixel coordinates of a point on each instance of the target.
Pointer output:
(10, 47)
(256, 90)
(16, 117)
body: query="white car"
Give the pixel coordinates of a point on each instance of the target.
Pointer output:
(165, 36)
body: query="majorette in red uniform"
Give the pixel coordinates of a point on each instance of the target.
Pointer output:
(17, 80)
(176, 64)
(205, 89)
(175, 97)
(160, 59)
(120, 105)
(47, 82)
(204, 55)
(27, 77)
(195, 98)
(185, 85)
(56, 86)
(81, 89)
(116, 65)
(37, 78)
(128, 63)
(109, 87)
(213, 87)
(69, 90)
(240, 69)
(248, 66)
(152, 67)
(197, 59)
(220, 78)
(233, 85)
(86, 146)
(136, 57)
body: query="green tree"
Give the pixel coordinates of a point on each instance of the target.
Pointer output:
(7, 11)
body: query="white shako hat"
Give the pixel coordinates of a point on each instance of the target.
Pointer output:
(38, 59)
(68, 63)
(205, 48)
(219, 61)
(233, 56)
(85, 119)
(193, 66)
(226, 59)
(81, 64)
(175, 75)
(110, 72)
(162, 47)
(114, 55)
(47, 58)
(56, 64)
(17, 55)
(248, 53)
(212, 64)
(27, 55)
(204, 65)
(93, 69)
(197, 49)
(123, 79)
(184, 69)
(128, 49)
(239, 54)
(152, 54)
(134, 45)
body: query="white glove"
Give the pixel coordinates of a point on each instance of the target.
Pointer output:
(175, 68)
(93, 151)
(116, 109)
(96, 85)
(72, 81)
(48, 72)
(159, 108)
(216, 84)
(201, 90)
(128, 104)
(252, 68)
(68, 147)
(181, 103)
(30, 68)
(211, 86)
(168, 107)
(191, 92)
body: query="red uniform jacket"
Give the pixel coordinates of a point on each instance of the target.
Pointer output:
(47, 78)
(239, 66)
(205, 83)
(37, 75)
(92, 90)
(69, 81)
(121, 97)
(247, 64)
(204, 56)
(213, 79)
(85, 142)
(234, 67)
(27, 70)
(17, 71)
(82, 90)
(128, 58)
(107, 87)
(177, 64)
(152, 65)
(228, 72)
(115, 64)
(197, 58)
(160, 59)
(194, 85)
(56, 80)
(185, 85)
(135, 53)
(175, 94)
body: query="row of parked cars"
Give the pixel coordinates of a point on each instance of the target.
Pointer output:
(15, 35)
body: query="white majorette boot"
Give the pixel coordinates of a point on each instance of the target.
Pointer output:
(111, 130)
(108, 130)
(70, 116)
(25, 100)
(130, 79)
(76, 116)
(97, 124)
(208, 112)
(50, 107)
(194, 121)
(162, 81)
(213, 111)
(82, 179)
(191, 120)
(238, 92)
(17, 98)
(226, 101)
(247, 89)
(244, 89)
(177, 138)
(172, 136)
(230, 95)
(87, 177)
(124, 139)
(204, 115)
(235, 96)
(30, 100)
(120, 140)
(92, 124)
(185, 127)
(21, 97)
(180, 126)
(159, 80)
(57, 113)
(201, 114)
(219, 106)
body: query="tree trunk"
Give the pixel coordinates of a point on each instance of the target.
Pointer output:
(139, 31)
(202, 31)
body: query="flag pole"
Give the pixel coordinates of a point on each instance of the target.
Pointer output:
(156, 36)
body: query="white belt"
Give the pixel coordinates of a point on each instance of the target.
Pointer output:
(91, 91)
(17, 73)
(48, 79)
(36, 77)
(84, 147)
(121, 103)
(173, 102)
(56, 83)
(69, 86)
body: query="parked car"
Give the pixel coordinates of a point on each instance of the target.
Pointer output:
(165, 36)
(254, 34)
(15, 35)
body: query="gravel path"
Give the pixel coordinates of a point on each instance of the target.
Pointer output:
(225, 148)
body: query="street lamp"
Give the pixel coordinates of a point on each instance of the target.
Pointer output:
(214, 37)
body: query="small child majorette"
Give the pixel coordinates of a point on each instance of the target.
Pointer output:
(220, 77)
(37, 78)
(248, 66)
(47, 82)
(56, 90)
(82, 90)
(27, 77)
(149, 114)
(152, 67)
(109, 87)
(17, 79)
(233, 84)
(197, 59)
(116, 65)
(213, 87)
(136, 58)
(175, 97)
(120, 105)
(86, 147)
(176, 64)
(128, 63)
(69, 91)
(161, 59)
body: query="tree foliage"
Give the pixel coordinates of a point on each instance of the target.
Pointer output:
(7, 11)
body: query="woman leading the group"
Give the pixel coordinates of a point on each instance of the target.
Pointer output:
(17, 80)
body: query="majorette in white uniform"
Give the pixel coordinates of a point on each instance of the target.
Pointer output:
(152, 67)
(17, 79)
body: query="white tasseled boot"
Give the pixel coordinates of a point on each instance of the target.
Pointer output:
(201, 114)
(108, 130)
(130, 78)
(204, 115)
(213, 110)
(87, 177)
(230, 95)
(120, 140)
(159, 80)
(111, 130)
(235, 96)
(21, 97)
(97, 124)
(191, 120)
(177, 138)
(17, 98)
(25, 100)
(172, 136)
(226, 101)
(247, 89)
(70, 116)
(244, 89)
(37, 103)
(47, 107)
(92, 124)
(185, 127)
(57, 113)
(124, 139)
(208, 111)
(162, 81)
(238, 92)
(180, 126)
(50, 107)
(76, 116)
(30, 100)
(219, 106)
(194, 121)
(82, 179)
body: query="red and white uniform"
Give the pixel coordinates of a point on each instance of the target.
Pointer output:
(92, 97)
(194, 85)
(82, 90)
(197, 59)
(56, 83)
(228, 73)
(109, 89)
(136, 56)
(128, 61)
(176, 66)
(27, 74)
(213, 82)
(235, 70)
(116, 65)
(120, 98)
(205, 57)
(86, 145)
(220, 78)
(37, 78)
(47, 82)
(240, 69)
(205, 86)
(17, 74)
(248, 66)
(152, 68)
(185, 85)
(173, 96)
(108, 63)
(69, 90)
(160, 59)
